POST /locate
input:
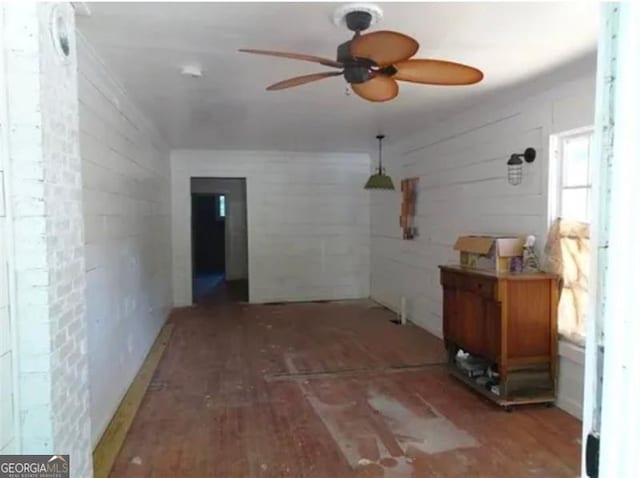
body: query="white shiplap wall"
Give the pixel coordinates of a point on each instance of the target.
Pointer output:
(463, 189)
(307, 220)
(126, 197)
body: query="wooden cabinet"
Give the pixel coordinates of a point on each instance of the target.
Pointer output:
(509, 320)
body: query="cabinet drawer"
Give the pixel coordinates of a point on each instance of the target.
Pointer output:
(449, 279)
(478, 285)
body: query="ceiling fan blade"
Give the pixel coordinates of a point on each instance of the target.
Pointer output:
(437, 72)
(295, 56)
(301, 80)
(379, 88)
(384, 47)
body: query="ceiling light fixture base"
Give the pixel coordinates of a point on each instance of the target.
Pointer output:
(192, 70)
(357, 17)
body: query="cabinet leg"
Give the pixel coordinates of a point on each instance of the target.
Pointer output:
(452, 350)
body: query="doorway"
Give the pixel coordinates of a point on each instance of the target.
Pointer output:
(219, 240)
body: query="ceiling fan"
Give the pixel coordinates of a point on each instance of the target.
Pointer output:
(373, 62)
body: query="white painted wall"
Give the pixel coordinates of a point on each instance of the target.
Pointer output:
(308, 221)
(126, 201)
(619, 76)
(8, 432)
(46, 258)
(236, 243)
(7, 354)
(463, 189)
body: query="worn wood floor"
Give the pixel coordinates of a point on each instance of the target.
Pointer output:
(327, 390)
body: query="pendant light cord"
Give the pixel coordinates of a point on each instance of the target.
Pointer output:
(380, 137)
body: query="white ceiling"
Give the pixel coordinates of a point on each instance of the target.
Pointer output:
(147, 43)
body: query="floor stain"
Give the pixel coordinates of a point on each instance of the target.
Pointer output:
(390, 449)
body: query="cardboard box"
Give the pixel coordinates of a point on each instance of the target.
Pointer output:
(495, 253)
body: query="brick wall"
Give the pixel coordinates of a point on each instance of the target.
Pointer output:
(65, 244)
(44, 199)
(27, 208)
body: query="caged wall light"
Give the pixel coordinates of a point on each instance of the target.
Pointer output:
(515, 163)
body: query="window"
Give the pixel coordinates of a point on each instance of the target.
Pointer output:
(222, 207)
(567, 252)
(573, 176)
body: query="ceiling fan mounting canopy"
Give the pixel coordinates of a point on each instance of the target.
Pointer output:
(358, 20)
(373, 62)
(365, 15)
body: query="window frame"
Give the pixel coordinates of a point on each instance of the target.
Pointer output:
(556, 171)
(556, 187)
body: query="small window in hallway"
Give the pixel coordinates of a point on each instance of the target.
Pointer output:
(222, 207)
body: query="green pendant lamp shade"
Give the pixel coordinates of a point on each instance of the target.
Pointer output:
(379, 180)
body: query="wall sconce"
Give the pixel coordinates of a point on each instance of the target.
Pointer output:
(514, 165)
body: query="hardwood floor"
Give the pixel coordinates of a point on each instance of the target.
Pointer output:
(327, 390)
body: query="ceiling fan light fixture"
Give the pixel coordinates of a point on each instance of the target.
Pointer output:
(379, 180)
(192, 70)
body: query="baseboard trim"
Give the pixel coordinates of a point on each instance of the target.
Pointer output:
(570, 351)
(570, 406)
(109, 445)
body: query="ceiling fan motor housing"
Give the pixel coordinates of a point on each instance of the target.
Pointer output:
(356, 70)
(356, 73)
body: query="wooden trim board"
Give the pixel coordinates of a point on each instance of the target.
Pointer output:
(112, 439)
(503, 402)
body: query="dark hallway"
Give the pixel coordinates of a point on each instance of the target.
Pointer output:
(219, 240)
(209, 237)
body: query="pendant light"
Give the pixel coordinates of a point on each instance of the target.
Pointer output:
(379, 180)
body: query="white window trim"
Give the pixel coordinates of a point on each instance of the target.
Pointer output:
(555, 170)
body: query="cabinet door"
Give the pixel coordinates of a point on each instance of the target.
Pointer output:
(449, 315)
(492, 330)
(470, 323)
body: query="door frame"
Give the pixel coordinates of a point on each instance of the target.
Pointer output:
(218, 191)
